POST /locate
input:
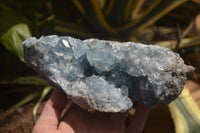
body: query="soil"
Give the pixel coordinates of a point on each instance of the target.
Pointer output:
(19, 120)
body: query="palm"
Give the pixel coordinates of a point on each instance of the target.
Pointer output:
(77, 120)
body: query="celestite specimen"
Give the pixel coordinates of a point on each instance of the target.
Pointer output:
(106, 75)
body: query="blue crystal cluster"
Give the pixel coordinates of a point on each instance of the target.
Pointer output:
(106, 75)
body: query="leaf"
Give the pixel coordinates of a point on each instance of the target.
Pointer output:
(3, 6)
(13, 32)
(26, 80)
(185, 113)
(31, 96)
(107, 6)
(157, 10)
(96, 19)
(79, 6)
(117, 12)
(45, 91)
(132, 9)
(72, 29)
(184, 43)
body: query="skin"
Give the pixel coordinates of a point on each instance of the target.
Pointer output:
(77, 120)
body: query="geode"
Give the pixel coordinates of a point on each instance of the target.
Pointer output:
(106, 75)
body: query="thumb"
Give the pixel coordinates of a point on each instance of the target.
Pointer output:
(49, 118)
(138, 122)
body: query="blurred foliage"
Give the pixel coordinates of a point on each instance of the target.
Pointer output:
(12, 32)
(159, 22)
(185, 113)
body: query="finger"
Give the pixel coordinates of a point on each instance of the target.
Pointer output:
(74, 118)
(80, 120)
(117, 121)
(52, 110)
(137, 124)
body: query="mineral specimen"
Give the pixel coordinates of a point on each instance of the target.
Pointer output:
(107, 75)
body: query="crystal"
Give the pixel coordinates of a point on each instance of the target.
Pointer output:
(106, 75)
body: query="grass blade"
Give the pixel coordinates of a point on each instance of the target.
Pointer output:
(3, 6)
(96, 18)
(107, 7)
(31, 96)
(185, 43)
(72, 29)
(45, 91)
(79, 6)
(156, 11)
(27, 80)
(118, 12)
(136, 5)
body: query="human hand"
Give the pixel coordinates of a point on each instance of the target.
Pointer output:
(77, 120)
